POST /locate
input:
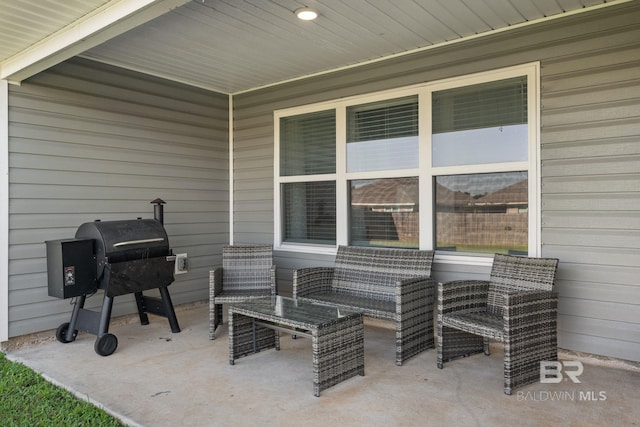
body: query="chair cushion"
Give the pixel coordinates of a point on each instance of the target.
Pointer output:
(485, 324)
(383, 309)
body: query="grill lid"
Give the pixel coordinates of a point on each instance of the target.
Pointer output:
(127, 240)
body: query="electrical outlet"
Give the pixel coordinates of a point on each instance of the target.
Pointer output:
(182, 264)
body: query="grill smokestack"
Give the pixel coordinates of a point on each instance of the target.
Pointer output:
(158, 210)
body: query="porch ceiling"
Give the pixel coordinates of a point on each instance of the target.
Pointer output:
(232, 46)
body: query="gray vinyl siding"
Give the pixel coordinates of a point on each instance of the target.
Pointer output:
(88, 141)
(590, 172)
(591, 190)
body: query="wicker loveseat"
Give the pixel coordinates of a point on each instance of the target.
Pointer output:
(392, 284)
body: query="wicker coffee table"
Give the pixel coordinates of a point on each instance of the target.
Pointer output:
(337, 335)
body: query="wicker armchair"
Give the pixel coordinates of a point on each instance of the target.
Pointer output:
(516, 306)
(247, 272)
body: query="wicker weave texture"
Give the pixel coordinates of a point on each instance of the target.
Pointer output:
(337, 343)
(247, 272)
(517, 306)
(513, 273)
(391, 284)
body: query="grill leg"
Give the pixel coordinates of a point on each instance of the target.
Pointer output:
(105, 315)
(144, 319)
(73, 323)
(168, 309)
(158, 306)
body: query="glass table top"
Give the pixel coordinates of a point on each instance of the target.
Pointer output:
(289, 309)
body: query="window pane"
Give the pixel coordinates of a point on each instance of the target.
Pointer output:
(383, 135)
(484, 213)
(480, 124)
(309, 212)
(384, 212)
(308, 144)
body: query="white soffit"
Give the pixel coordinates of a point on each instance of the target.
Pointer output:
(43, 33)
(234, 46)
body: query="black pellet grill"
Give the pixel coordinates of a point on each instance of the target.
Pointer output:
(120, 257)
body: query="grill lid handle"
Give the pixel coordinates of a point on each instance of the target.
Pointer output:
(137, 242)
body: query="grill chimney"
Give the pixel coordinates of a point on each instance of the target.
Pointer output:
(158, 210)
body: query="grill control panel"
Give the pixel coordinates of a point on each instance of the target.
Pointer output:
(69, 275)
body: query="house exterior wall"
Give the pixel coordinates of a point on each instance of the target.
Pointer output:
(590, 160)
(88, 141)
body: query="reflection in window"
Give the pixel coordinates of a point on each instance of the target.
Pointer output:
(384, 212)
(486, 213)
(309, 212)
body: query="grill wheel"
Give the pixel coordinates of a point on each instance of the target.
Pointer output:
(61, 333)
(106, 344)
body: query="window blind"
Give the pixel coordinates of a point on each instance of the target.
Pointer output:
(486, 105)
(309, 212)
(383, 120)
(383, 135)
(308, 144)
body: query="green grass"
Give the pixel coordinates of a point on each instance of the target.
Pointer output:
(27, 399)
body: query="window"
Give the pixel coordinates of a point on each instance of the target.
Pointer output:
(309, 212)
(485, 213)
(384, 212)
(358, 170)
(308, 144)
(383, 135)
(308, 161)
(481, 124)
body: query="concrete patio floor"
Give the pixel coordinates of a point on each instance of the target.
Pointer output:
(156, 378)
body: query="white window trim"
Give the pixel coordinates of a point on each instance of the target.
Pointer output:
(425, 172)
(231, 172)
(4, 210)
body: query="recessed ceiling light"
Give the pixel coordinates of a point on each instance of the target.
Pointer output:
(306, 14)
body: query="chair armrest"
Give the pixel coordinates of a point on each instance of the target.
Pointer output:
(463, 296)
(272, 274)
(526, 308)
(307, 281)
(215, 281)
(409, 291)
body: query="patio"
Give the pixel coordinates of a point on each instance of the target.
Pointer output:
(156, 378)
